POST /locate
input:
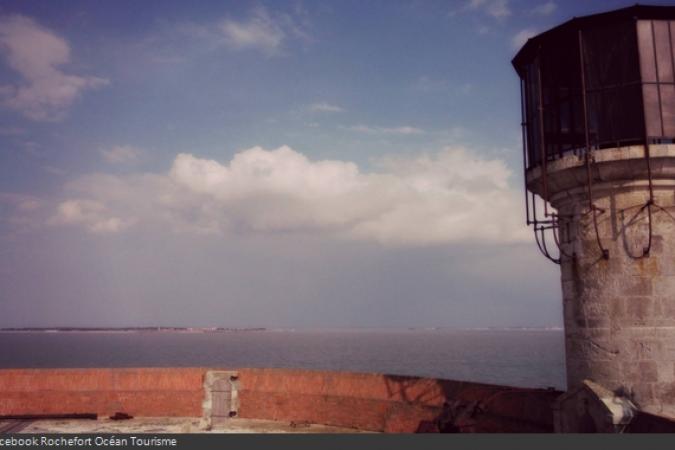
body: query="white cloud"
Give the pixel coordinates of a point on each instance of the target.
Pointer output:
(404, 129)
(324, 107)
(428, 84)
(54, 170)
(545, 9)
(483, 30)
(436, 85)
(36, 53)
(92, 215)
(498, 9)
(520, 38)
(120, 154)
(20, 202)
(448, 197)
(12, 131)
(263, 31)
(465, 88)
(20, 213)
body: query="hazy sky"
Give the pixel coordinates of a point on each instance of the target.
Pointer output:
(288, 164)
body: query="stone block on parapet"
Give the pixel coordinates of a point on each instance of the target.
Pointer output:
(666, 372)
(649, 266)
(642, 371)
(609, 370)
(645, 349)
(591, 408)
(636, 286)
(641, 310)
(666, 392)
(665, 286)
(656, 245)
(668, 307)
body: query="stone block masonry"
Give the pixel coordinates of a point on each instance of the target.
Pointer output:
(619, 312)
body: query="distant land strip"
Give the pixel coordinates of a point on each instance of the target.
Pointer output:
(125, 329)
(245, 329)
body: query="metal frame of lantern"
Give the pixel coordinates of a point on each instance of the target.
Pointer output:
(548, 220)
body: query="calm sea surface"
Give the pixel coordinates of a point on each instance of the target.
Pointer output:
(511, 357)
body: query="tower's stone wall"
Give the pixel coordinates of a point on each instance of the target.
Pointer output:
(619, 312)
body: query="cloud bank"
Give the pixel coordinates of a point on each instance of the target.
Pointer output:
(263, 30)
(499, 9)
(120, 154)
(36, 54)
(520, 38)
(89, 214)
(448, 197)
(545, 9)
(324, 107)
(403, 129)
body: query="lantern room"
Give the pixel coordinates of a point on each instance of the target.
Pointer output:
(599, 81)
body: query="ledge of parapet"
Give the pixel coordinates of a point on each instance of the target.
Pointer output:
(361, 401)
(357, 401)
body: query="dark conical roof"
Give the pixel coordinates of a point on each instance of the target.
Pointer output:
(636, 12)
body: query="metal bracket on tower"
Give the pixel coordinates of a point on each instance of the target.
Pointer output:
(551, 220)
(593, 209)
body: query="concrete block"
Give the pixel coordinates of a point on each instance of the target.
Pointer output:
(635, 285)
(665, 371)
(643, 393)
(641, 310)
(645, 350)
(642, 371)
(592, 408)
(664, 286)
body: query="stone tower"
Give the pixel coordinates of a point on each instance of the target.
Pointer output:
(598, 102)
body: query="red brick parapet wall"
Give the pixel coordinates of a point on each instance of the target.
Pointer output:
(139, 392)
(362, 401)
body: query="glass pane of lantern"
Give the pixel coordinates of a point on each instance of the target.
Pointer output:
(664, 61)
(594, 100)
(565, 116)
(668, 108)
(609, 107)
(598, 59)
(628, 116)
(646, 47)
(652, 113)
(578, 111)
(610, 53)
(533, 128)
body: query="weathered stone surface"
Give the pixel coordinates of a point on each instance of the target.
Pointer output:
(643, 371)
(619, 312)
(591, 408)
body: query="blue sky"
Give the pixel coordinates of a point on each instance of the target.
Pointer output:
(268, 163)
